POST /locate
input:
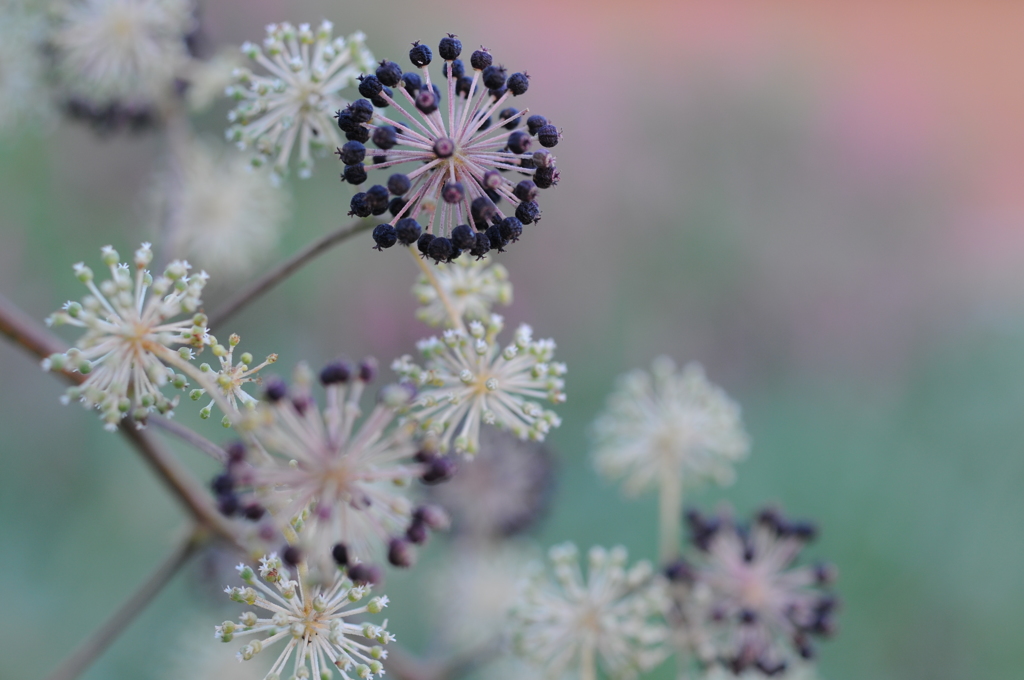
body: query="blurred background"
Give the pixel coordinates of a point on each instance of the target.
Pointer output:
(819, 201)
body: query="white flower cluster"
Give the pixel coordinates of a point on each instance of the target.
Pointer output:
(128, 349)
(469, 379)
(611, 614)
(314, 619)
(292, 105)
(123, 50)
(471, 287)
(662, 425)
(226, 216)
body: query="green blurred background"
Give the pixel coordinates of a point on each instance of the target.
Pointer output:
(818, 201)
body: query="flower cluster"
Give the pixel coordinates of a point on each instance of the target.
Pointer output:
(611, 614)
(503, 492)
(469, 287)
(127, 349)
(221, 213)
(750, 608)
(117, 59)
(313, 618)
(290, 106)
(460, 152)
(469, 379)
(665, 425)
(231, 376)
(340, 484)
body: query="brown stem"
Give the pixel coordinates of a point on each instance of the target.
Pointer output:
(31, 336)
(284, 270)
(102, 637)
(188, 436)
(181, 483)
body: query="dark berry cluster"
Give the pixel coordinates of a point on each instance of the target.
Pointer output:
(228, 486)
(112, 117)
(332, 476)
(762, 609)
(463, 153)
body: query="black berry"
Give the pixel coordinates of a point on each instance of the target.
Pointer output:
(528, 212)
(276, 389)
(526, 190)
(534, 123)
(548, 136)
(453, 192)
(450, 47)
(384, 236)
(423, 243)
(481, 245)
(370, 86)
(440, 249)
(480, 59)
(354, 174)
(519, 142)
(420, 54)
(389, 73)
(385, 137)
(408, 231)
(494, 77)
(361, 111)
(398, 184)
(336, 373)
(518, 83)
(352, 153)
(463, 237)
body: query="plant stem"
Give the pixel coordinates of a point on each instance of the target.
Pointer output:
(102, 637)
(284, 270)
(31, 336)
(588, 664)
(670, 515)
(192, 437)
(455, 319)
(177, 135)
(182, 484)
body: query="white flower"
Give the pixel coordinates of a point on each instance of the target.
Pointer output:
(610, 614)
(469, 379)
(22, 83)
(231, 376)
(471, 286)
(126, 350)
(332, 476)
(749, 607)
(122, 50)
(225, 215)
(313, 618)
(293, 104)
(665, 425)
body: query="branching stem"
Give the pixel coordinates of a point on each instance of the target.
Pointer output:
(101, 638)
(283, 271)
